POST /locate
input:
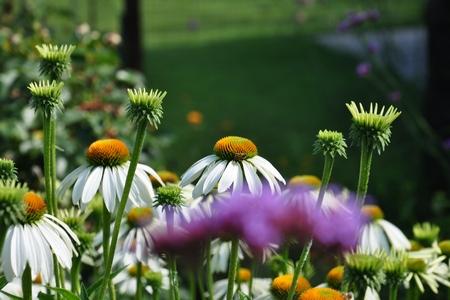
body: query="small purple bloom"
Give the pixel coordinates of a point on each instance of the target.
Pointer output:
(363, 69)
(395, 96)
(446, 144)
(355, 19)
(373, 47)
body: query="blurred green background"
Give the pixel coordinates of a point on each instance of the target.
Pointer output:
(254, 68)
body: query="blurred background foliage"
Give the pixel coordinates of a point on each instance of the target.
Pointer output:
(234, 67)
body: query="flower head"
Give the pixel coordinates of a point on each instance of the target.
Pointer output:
(395, 267)
(380, 234)
(46, 96)
(146, 105)
(335, 277)
(372, 127)
(243, 275)
(322, 293)
(107, 153)
(139, 217)
(445, 247)
(169, 196)
(35, 240)
(55, 59)
(304, 180)
(11, 203)
(281, 285)
(426, 233)
(330, 143)
(430, 271)
(166, 177)
(8, 170)
(364, 271)
(106, 173)
(235, 163)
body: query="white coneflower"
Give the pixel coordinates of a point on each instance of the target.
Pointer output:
(14, 288)
(126, 280)
(135, 240)
(33, 242)
(260, 286)
(428, 271)
(106, 172)
(379, 234)
(235, 163)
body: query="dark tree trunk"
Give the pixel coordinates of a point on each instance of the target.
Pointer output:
(437, 102)
(131, 50)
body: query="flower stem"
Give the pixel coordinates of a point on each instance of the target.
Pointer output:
(393, 291)
(192, 286)
(139, 281)
(156, 294)
(27, 284)
(209, 274)
(326, 175)
(47, 163)
(3, 231)
(52, 133)
(232, 268)
(139, 142)
(250, 281)
(75, 275)
(106, 223)
(174, 292)
(364, 171)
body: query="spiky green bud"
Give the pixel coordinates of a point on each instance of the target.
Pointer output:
(8, 170)
(372, 127)
(426, 233)
(74, 218)
(395, 267)
(153, 279)
(330, 143)
(46, 96)
(146, 105)
(364, 270)
(55, 59)
(169, 196)
(12, 209)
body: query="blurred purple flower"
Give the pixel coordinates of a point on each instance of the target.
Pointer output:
(446, 144)
(373, 47)
(260, 222)
(363, 69)
(355, 19)
(394, 96)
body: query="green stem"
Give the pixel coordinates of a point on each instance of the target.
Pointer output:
(3, 231)
(27, 284)
(414, 293)
(139, 142)
(232, 267)
(174, 292)
(52, 150)
(250, 281)
(155, 293)
(139, 281)
(57, 271)
(364, 171)
(326, 175)
(75, 275)
(393, 291)
(192, 286)
(209, 274)
(201, 288)
(106, 224)
(47, 163)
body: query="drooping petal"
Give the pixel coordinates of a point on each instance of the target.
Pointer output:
(214, 177)
(228, 177)
(266, 165)
(108, 188)
(68, 181)
(396, 237)
(196, 169)
(239, 182)
(79, 186)
(253, 181)
(92, 185)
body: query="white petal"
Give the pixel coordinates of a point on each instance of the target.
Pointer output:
(31, 253)
(79, 186)
(63, 254)
(396, 237)
(18, 255)
(68, 181)
(6, 255)
(266, 165)
(228, 176)
(92, 185)
(253, 181)
(198, 190)
(214, 177)
(108, 189)
(196, 169)
(150, 171)
(239, 181)
(273, 183)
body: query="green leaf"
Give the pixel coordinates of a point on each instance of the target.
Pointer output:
(84, 292)
(67, 295)
(98, 283)
(3, 281)
(11, 296)
(43, 296)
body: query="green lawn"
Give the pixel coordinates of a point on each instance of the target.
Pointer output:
(252, 68)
